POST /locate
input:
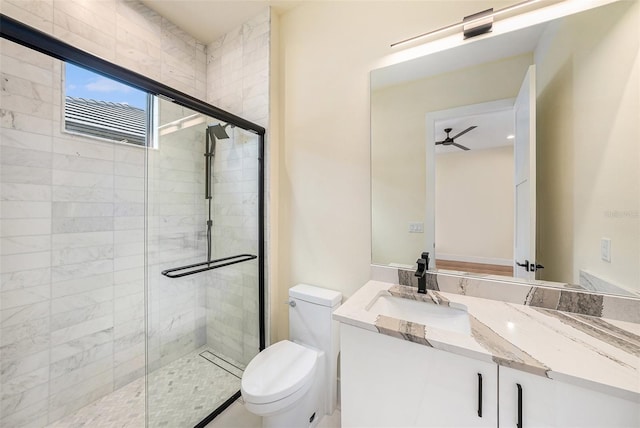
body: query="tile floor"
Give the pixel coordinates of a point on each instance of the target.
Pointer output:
(181, 394)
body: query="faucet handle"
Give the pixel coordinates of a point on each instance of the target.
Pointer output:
(422, 267)
(425, 256)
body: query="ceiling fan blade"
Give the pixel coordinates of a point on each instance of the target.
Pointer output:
(439, 142)
(464, 132)
(460, 146)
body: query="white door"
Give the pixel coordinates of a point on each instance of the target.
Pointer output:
(525, 178)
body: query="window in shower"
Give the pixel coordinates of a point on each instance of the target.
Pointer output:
(100, 107)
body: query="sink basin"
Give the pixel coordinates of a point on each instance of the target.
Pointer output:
(426, 313)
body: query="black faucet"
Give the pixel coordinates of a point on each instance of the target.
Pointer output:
(421, 272)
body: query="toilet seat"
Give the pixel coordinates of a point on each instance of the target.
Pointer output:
(280, 372)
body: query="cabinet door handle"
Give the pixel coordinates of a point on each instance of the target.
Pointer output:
(479, 395)
(519, 424)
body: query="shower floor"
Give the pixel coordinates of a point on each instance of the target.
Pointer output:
(181, 394)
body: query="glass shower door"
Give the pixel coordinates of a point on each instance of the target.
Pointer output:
(92, 333)
(202, 312)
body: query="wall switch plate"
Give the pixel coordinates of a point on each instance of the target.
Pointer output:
(416, 227)
(605, 249)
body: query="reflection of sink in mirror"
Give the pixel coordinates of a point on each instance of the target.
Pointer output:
(426, 313)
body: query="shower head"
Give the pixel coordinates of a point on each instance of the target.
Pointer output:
(218, 131)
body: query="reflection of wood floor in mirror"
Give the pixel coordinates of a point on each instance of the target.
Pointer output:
(475, 267)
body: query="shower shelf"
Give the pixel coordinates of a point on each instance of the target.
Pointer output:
(210, 265)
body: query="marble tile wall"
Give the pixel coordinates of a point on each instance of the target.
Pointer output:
(238, 81)
(124, 32)
(232, 293)
(26, 244)
(72, 218)
(238, 70)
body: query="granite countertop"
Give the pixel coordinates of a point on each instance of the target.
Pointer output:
(592, 352)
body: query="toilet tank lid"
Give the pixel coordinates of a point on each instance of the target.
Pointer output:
(317, 295)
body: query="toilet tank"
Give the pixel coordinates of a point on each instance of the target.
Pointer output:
(310, 323)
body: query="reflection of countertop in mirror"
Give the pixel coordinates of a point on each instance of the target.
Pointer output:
(524, 281)
(592, 352)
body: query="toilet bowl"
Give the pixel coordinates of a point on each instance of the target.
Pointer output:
(292, 383)
(283, 377)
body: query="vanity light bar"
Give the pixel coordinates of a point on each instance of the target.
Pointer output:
(467, 22)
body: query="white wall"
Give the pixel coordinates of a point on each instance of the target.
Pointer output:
(327, 50)
(474, 205)
(589, 165)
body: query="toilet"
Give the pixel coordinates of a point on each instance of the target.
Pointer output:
(293, 383)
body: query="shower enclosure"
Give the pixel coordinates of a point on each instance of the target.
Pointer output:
(132, 274)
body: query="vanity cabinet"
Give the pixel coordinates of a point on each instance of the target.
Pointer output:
(554, 403)
(386, 382)
(392, 382)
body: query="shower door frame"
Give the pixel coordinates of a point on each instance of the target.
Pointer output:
(37, 40)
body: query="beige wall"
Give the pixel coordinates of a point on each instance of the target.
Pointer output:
(327, 50)
(589, 173)
(398, 154)
(474, 205)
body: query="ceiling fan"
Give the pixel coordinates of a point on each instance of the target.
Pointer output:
(449, 141)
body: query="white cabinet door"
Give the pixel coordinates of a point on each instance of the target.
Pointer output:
(390, 382)
(580, 407)
(526, 400)
(554, 403)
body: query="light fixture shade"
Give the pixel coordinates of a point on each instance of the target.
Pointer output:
(473, 25)
(478, 25)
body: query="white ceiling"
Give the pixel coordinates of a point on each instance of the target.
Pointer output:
(491, 132)
(208, 20)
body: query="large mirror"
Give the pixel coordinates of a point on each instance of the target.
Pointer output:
(516, 154)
